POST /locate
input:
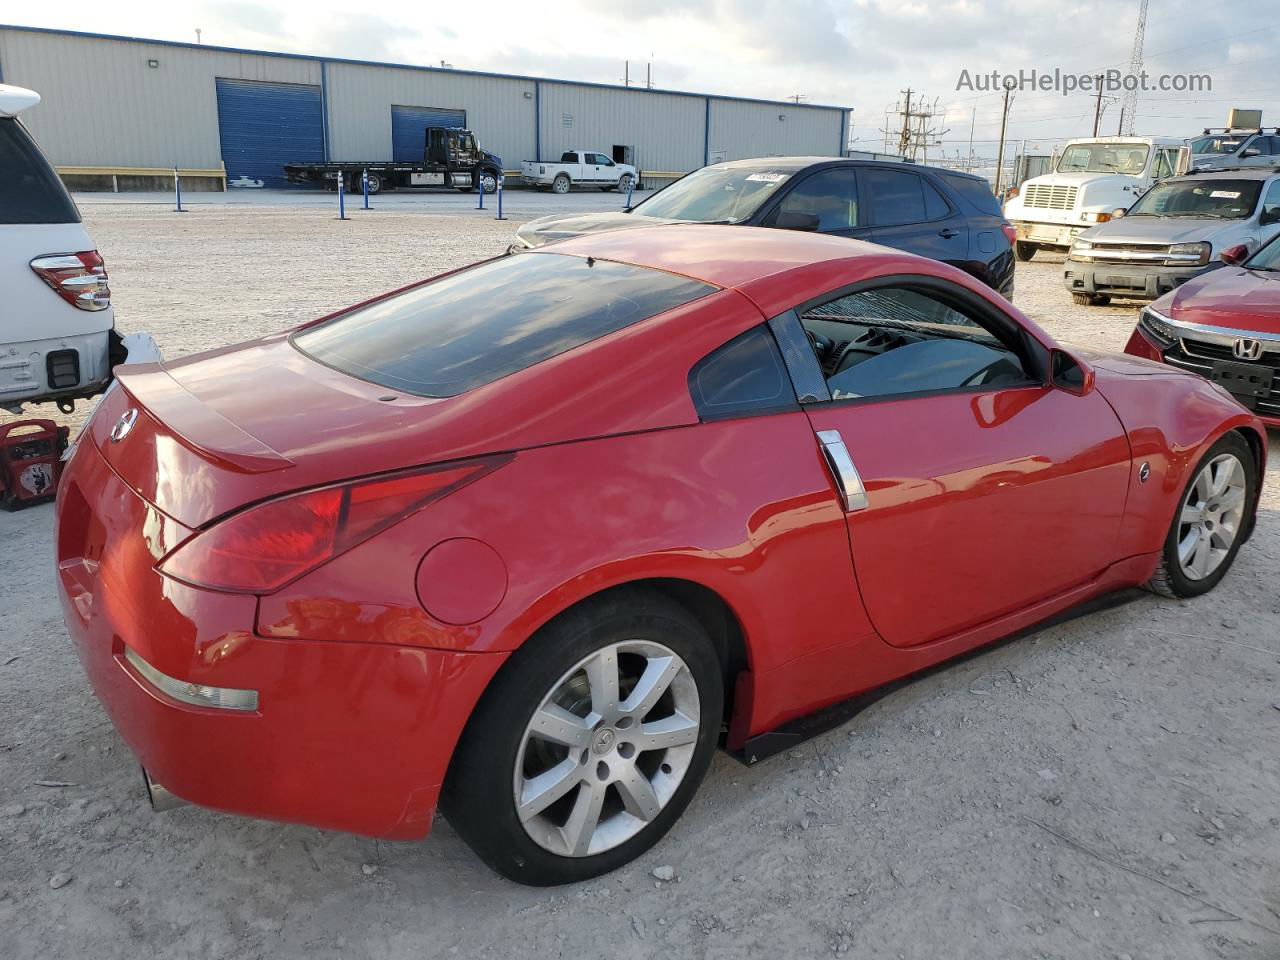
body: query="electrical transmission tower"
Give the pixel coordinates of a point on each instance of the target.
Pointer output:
(1129, 105)
(917, 133)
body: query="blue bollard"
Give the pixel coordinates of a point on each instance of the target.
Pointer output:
(177, 192)
(500, 216)
(631, 185)
(342, 199)
(480, 181)
(364, 179)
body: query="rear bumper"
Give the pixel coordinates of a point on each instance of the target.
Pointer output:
(348, 736)
(1135, 281)
(70, 367)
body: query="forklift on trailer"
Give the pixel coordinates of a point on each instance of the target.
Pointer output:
(451, 157)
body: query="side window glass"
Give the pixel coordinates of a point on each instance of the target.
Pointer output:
(746, 375)
(935, 208)
(831, 196)
(895, 340)
(1271, 200)
(896, 197)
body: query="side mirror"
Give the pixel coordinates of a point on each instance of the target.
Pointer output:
(1249, 152)
(1118, 212)
(1233, 256)
(1069, 373)
(1269, 215)
(797, 221)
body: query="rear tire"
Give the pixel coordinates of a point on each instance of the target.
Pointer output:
(561, 183)
(1024, 251)
(1209, 522)
(619, 788)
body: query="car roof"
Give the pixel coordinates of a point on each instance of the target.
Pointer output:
(1238, 173)
(796, 164)
(723, 255)
(13, 100)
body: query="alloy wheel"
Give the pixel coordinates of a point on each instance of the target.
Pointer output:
(607, 748)
(1211, 516)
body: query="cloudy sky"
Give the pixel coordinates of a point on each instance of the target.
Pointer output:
(857, 53)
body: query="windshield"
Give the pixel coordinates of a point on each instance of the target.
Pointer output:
(1202, 145)
(716, 194)
(481, 324)
(1220, 199)
(1130, 158)
(1268, 258)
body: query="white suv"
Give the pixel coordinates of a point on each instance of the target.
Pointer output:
(56, 322)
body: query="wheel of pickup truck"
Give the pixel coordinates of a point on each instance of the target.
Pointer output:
(561, 183)
(1024, 251)
(625, 182)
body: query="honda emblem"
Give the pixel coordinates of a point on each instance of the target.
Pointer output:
(1246, 348)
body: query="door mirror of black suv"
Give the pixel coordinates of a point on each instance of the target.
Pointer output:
(791, 220)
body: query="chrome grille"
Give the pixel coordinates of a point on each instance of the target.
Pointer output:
(1048, 197)
(1198, 356)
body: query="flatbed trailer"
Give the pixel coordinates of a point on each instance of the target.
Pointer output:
(451, 158)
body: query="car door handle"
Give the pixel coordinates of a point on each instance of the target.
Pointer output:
(947, 233)
(848, 481)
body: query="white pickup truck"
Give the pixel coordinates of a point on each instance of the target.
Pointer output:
(1093, 179)
(579, 168)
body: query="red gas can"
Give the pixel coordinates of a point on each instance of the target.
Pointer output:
(30, 461)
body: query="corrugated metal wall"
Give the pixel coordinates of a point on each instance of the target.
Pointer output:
(360, 99)
(104, 106)
(740, 130)
(665, 129)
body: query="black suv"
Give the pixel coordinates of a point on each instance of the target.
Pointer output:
(941, 214)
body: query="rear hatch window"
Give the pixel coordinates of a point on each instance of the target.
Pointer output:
(30, 191)
(975, 192)
(477, 326)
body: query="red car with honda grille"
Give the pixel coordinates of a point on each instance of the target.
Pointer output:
(1225, 326)
(527, 541)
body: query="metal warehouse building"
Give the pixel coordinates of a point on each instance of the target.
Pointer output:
(120, 107)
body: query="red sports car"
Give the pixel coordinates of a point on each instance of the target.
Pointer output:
(528, 540)
(1224, 325)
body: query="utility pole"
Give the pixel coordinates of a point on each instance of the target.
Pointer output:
(973, 117)
(1120, 128)
(906, 125)
(1004, 123)
(1097, 108)
(917, 133)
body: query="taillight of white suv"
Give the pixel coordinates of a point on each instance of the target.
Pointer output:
(78, 278)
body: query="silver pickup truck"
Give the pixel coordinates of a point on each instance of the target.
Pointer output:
(579, 168)
(1178, 229)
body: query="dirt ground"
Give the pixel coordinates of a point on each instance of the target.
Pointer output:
(1108, 788)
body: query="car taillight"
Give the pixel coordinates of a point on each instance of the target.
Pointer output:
(1010, 231)
(268, 546)
(78, 278)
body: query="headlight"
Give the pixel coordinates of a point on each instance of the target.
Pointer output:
(1191, 254)
(1157, 325)
(1081, 249)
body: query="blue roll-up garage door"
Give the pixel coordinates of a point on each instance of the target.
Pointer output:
(266, 125)
(408, 124)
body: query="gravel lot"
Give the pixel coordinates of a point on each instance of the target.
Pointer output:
(1107, 788)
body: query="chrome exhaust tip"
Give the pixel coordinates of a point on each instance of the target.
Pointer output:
(161, 799)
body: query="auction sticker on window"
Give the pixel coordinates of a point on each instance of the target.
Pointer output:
(1226, 194)
(768, 177)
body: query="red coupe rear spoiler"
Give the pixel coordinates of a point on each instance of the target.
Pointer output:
(195, 424)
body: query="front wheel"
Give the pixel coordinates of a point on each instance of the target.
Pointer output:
(591, 741)
(626, 183)
(1213, 514)
(1091, 299)
(489, 180)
